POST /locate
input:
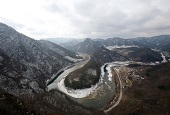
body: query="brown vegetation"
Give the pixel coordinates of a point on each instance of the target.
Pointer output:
(149, 96)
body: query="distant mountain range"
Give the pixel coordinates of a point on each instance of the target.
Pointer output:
(120, 42)
(137, 49)
(156, 42)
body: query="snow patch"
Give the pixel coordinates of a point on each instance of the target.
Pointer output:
(108, 68)
(79, 93)
(72, 59)
(157, 62)
(102, 73)
(116, 46)
(164, 58)
(152, 63)
(142, 77)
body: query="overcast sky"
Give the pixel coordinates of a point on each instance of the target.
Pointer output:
(87, 18)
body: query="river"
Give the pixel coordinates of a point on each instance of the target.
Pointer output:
(97, 96)
(102, 95)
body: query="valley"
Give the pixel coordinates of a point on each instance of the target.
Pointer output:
(115, 77)
(98, 76)
(124, 74)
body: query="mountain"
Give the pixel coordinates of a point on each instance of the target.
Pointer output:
(71, 43)
(155, 42)
(87, 46)
(36, 61)
(166, 47)
(120, 42)
(82, 46)
(57, 48)
(140, 54)
(25, 65)
(13, 79)
(117, 49)
(103, 55)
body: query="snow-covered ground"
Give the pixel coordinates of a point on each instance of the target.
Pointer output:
(102, 74)
(108, 68)
(79, 93)
(163, 57)
(116, 46)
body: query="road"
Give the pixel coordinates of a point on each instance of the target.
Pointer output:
(120, 96)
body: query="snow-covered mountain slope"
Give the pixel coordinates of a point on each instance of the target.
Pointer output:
(156, 42)
(60, 50)
(27, 50)
(16, 80)
(36, 60)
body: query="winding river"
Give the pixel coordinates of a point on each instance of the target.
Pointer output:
(97, 96)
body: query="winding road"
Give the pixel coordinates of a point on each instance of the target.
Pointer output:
(120, 94)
